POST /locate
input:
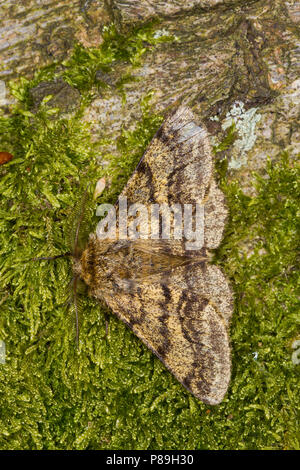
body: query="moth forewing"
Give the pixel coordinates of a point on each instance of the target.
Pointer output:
(172, 298)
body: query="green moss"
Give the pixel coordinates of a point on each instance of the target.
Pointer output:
(227, 141)
(113, 393)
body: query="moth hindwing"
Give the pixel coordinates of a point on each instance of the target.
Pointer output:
(172, 298)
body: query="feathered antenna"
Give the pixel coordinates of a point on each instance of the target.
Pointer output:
(76, 236)
(51, 257)
(78, 228)
(76, 309)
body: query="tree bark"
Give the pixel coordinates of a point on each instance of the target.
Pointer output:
(232, 61)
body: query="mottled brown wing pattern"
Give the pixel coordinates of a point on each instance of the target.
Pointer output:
(215, 215)
(182, 315)
(172, 298)
(184, 330)
(176, 167)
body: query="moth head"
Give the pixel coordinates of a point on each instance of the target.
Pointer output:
(85, 266)
(82, 267)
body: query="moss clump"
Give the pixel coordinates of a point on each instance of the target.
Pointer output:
(113, 393)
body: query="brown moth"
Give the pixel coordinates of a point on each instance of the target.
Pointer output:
(172, 298)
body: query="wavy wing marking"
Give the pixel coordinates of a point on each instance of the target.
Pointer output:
(176, 167)
(175, 301)
(178, 319)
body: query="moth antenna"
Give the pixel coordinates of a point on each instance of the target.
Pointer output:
(76, 310)
(75, 253)
(74, 306)
(80, 220)
(106, 325)
(51, 257)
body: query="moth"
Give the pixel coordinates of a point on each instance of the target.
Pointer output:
(173, 299)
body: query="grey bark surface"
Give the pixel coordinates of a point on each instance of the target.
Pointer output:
(231, 61)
